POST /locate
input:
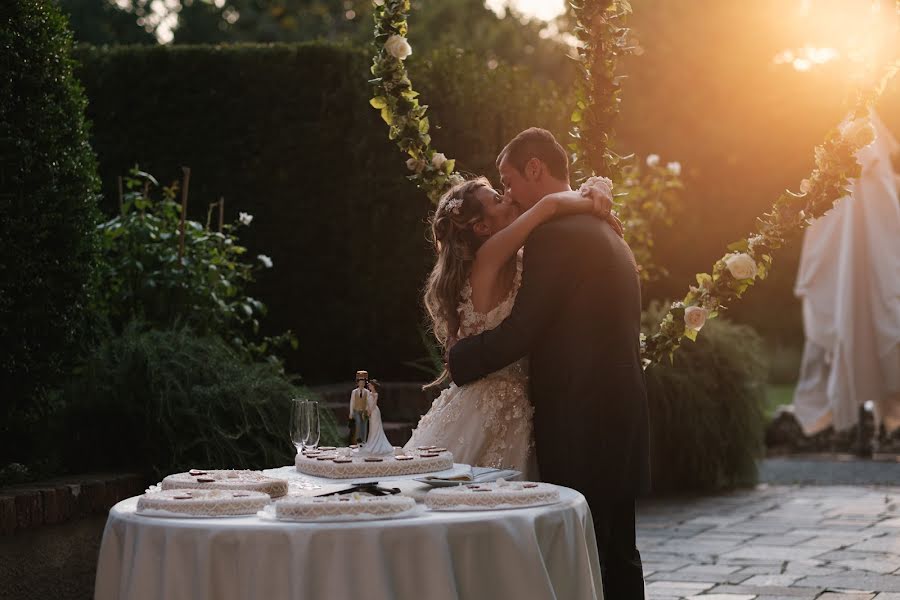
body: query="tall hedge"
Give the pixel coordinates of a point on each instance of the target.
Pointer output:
(48, 195)
(285, 132)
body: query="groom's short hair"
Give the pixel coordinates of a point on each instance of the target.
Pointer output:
(536, 143)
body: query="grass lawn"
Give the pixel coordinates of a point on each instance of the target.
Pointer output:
(776, 395)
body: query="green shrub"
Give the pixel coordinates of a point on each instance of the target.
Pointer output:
(168, 400)
(48, 203)
(706, 410)
(286, 133)
(150, 274)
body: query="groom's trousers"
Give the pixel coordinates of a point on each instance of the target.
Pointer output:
(620, 561)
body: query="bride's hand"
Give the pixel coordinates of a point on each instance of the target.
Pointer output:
(599, 189)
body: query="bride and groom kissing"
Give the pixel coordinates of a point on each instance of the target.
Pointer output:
(536, 298)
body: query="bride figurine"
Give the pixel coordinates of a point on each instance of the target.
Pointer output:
(377, 443)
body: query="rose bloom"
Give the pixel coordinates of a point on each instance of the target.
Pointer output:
(652, 160)
(741, 266)
(695, 317)
(398, 47)
(674, 168)
(438, 160)
(415, 165)
(858, 132)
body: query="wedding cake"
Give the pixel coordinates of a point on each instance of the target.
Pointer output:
(347, 463)
(201, 503)
(492, 495)
(353, 506)
(230, 480)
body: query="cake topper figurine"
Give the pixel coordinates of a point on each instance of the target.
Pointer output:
(377, 443)
(359, 409)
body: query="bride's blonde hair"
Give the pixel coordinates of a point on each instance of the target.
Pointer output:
(455, 245)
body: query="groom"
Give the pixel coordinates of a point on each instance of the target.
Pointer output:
(577, 316)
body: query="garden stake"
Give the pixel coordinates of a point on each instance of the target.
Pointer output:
(184, 199)
(121, 200)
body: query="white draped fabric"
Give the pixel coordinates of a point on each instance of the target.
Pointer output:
(541, 553)
(849, 280)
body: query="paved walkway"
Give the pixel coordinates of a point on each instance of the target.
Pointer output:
(774, 542)
(830, 469)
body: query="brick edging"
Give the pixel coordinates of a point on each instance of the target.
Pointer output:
(31, 505)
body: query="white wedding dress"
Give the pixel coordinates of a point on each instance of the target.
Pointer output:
(487, 423)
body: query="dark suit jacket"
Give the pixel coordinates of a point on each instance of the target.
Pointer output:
(577, 316)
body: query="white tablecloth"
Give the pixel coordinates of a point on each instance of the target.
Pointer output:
(541, 553)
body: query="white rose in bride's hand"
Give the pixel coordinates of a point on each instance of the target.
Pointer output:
(415, 165)
(398, 47)
(741, 266)
(438, 160)
(695, 317)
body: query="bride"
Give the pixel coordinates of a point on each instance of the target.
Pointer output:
(478, 235)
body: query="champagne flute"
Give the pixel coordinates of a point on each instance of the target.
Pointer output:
(299, 410)
(312, 431)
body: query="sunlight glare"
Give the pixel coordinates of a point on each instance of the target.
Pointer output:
(546, 10)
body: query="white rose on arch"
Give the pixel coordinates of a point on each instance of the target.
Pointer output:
(858, 132)
(695, 317)
(438, 160)
(245, 218)
(398, 47)
(741, 266)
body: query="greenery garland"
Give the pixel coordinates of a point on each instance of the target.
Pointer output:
(399, 105)
(600, 27)
(643, 197)
(750, 259)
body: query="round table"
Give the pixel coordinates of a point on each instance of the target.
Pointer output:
(540, 552)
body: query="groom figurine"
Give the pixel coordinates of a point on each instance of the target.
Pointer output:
(577, 316)
(359, 409)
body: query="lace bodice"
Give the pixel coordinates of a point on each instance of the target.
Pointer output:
(473, 322)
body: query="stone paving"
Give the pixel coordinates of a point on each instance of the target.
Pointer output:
(774, 543)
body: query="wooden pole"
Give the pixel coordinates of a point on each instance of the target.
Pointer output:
(184, 201)
(221, 213)
(121, 197)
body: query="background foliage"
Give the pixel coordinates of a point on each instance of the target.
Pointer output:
(177, 400)
(706, 409)
(48, 203)
(330, 200)
(151, 273)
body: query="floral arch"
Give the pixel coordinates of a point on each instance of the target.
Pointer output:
(600, 27)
